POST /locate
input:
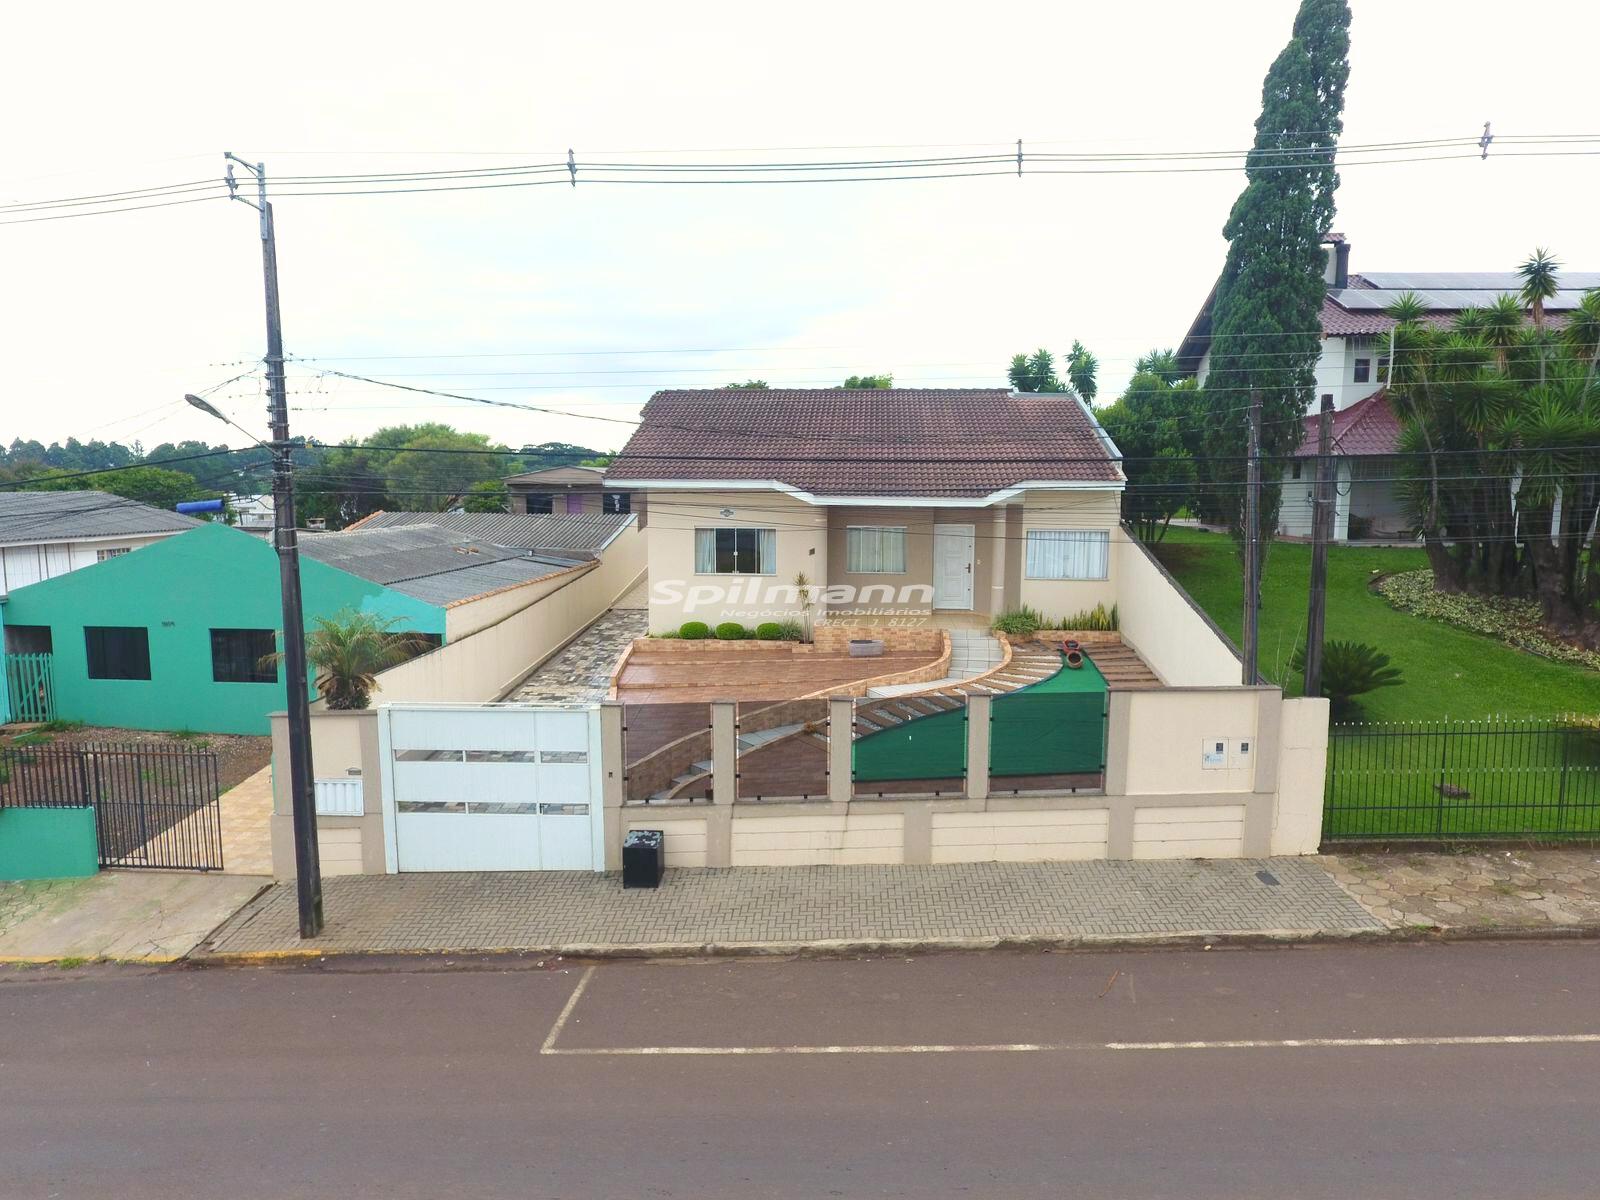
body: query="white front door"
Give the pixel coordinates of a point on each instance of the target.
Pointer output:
(952, 566)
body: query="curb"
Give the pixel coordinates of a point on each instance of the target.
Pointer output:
(855, 947)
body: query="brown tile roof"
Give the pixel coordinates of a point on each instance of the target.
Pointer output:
(1367, 427)
(958, 442)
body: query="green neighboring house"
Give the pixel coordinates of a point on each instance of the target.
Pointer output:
(172, 635)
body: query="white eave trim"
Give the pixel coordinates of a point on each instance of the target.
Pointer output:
(774, 485)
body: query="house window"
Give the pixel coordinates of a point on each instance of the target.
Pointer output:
(538, 502)
(735, 551)
(117, 651)
(1363, 370)
(1068, 553)
(113, 552)
(237, 654)
(616, 502)
(1295, 470)
(1383, 365)
(28, 639)
(876, 549)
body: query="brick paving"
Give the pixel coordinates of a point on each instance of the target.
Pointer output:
(581, 674)
(1488, 890)
(539, 910)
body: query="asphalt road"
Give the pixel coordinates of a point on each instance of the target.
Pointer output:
(1432, 1071)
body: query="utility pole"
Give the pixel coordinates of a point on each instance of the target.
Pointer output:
(307, 864)
(1321, 531)
(1252, 546)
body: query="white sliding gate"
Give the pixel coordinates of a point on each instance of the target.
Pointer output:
(491, 787)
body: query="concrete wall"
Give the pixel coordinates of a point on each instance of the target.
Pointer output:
(48, 843)
(1168, 629)
(802, 546)
(342, 743)
(1160, 797)
(1057, 599)
(490, 662)
(467, 617)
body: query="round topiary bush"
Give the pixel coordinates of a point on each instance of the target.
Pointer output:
(694, 631)
(731, 631)
(770, 631)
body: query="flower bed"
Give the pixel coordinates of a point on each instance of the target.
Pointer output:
(1513, 621)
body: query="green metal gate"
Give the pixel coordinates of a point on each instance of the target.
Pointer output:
(29, 686)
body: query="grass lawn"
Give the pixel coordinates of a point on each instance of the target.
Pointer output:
(1448, 672)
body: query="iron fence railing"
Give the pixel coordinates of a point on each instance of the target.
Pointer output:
(1460, 780)
(154, 806)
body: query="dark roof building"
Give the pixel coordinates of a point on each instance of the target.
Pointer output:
(834, 442)
(428, 563)
(585, 535)
(33, 517)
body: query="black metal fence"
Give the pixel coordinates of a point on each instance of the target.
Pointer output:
(154, 806)
(1461, 780)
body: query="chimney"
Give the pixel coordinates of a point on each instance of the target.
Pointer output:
(1336, 261)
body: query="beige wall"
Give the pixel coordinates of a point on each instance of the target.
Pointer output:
(1167, 730)
(339, 741)
(1058, 598)
(802, 546)
(919, 526)
(1034, 836)
(827, 839)
(465, 619)
(1206, 831)
(488, 664)
(1159, 622)
(1302, 766)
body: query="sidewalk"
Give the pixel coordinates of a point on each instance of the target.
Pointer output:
(138, 916)
(789, 909)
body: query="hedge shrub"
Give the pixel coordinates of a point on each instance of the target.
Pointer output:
(694, 631)
(731, 631)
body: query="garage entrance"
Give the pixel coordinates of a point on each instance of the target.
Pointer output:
(491, 787)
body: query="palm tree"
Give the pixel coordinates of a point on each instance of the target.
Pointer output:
(348, 650)
(1539, 283)
(1583, 331)
(1081, 369)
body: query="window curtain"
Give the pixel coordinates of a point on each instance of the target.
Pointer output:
(876, 550)
(735, 551)
(767, 551)
(1068, 553)
(705, 551)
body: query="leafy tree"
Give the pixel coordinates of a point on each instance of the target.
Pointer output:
(1269, 297)
(598, 460)
(1081, 369)
(155, 486)
(1153, 425)
(1161, 363)
(870, 382)
(749, 385)
(487, 496)
(1500, 420)
(436, 465)
(1035, 372)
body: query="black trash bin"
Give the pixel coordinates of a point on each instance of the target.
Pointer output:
(644, 858)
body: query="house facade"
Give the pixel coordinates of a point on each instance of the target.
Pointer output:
(174, 637)
(46, 534)
(1353, 369)
(880, 506)
(567, 491)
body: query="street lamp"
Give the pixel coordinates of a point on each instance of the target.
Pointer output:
(303, 807)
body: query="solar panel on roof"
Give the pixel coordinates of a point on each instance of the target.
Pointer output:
(1439, 300)
(1498, 281)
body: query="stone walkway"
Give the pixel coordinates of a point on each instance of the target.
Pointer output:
(1501, 889)
(246, 826)
(784, 906)
(581, 674)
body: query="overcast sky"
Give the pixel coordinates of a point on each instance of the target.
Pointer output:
(535, 294)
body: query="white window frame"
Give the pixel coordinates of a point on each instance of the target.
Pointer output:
(1083, 541)
(111, 552)
(855, 549)
(766, 548)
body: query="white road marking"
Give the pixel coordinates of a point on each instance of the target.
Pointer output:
(566, 1011)
(1511, 1039)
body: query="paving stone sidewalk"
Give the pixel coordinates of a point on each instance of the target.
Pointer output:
(772, 906)
(581, 674)
(1487, 891)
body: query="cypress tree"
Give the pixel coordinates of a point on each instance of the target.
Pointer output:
(1265, 318)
